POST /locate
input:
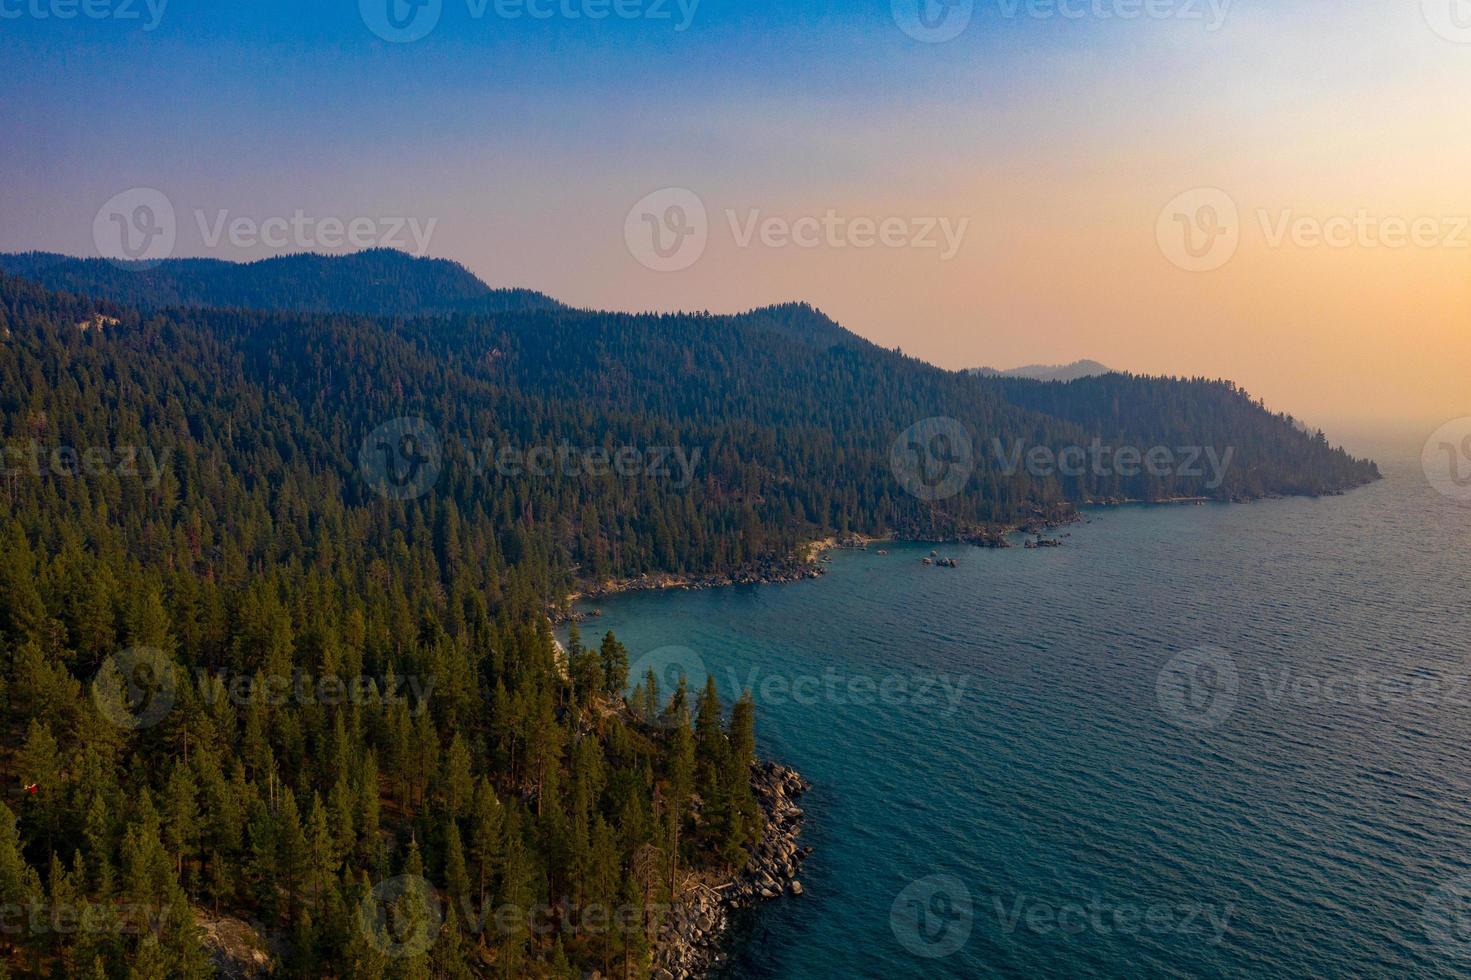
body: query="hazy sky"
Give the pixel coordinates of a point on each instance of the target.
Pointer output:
(1317, 154)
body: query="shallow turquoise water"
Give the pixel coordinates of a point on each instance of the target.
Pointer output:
(1005, 786)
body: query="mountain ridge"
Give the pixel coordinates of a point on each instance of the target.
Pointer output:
(381, 282)
(1047, 372)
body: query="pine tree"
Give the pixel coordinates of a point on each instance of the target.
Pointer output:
(457, 783)
(486, 842)
(180, 815)
(292, 852)
(604, 882)
(515, 900)
(615, 664)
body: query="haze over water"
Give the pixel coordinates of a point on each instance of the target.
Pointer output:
(1071, 813)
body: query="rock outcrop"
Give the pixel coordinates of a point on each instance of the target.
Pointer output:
(236, 950)
(690, 944)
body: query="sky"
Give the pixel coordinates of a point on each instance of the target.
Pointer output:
(1273, 191)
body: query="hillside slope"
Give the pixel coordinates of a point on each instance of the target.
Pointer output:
(379, 281)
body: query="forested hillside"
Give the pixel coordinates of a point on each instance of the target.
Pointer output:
(379, 281)
(237, 569)
(191, 507)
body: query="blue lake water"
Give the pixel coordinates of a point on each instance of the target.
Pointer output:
(1195, 741)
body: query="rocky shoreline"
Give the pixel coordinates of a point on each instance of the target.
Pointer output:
(763, 573)
(806, 564)
(690, 944)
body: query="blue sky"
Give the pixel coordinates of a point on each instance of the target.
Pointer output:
(1056, 141)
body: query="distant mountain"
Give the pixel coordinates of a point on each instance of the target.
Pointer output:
(798, 415)
(1048, 372)
(380, 282)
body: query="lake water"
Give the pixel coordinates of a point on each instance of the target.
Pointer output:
(1217, 740)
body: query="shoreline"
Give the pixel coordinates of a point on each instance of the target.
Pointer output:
(807, 563)
(692, 940)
